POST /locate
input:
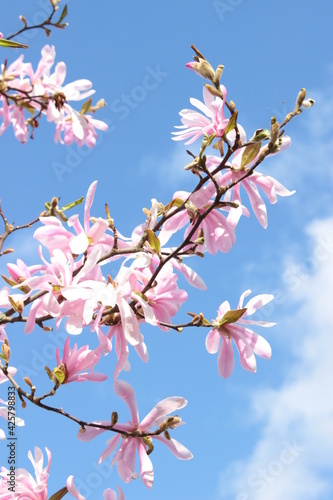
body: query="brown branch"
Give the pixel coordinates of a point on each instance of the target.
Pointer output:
(45, 25)
(82, 423)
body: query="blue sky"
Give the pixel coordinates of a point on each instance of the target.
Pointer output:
(262, 436)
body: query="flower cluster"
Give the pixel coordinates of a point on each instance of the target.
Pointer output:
(42, 92)
(70, 286)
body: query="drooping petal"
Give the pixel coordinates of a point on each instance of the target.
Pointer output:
(72, 489)
(225, 359)
(178, 449)
(213, 340)
(129, 321)
(112, 444)
(146, 466)
(246, 354)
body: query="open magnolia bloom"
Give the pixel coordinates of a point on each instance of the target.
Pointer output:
(210, 118)
(230, 325)
(25, 486)
(140, 440)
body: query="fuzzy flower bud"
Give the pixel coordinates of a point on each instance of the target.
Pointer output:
(300, 98)
(203, 68)
(6, 351)
(275, 130)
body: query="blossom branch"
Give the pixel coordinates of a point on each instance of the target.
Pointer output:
(82, 423)
(45, 25)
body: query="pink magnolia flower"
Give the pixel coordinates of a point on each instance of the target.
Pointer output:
(58, 281)
(117, 332)
(75, 125)
(20, 271)
(108, 494)
(126, 454)
(26, 487)
(161, 302)
(210, 120)
(218, 230)
(270, 186)
(53, 235)
(228, 326)
(79, 128)
(74, 361)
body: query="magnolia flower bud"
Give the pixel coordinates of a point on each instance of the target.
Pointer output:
(203, 68)
(23, 19)
(28, 381)
(218, 72)
(260, 135)
(213, 90)
(114, 418)
(275, 130)
(54, 203)
(6, 351)
(20, 306)
(8, 250)
(301, 96)
(167, 435)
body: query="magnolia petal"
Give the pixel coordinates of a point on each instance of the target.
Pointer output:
(126, 392)
(258, 344)
(91, 432)
(78, 124)
(213, 340)
(246, 354)
(141, 350)
(257, 302)
(125, 472)
(129, 321)
(112, 444)
(79, 244)
(178, 449)
(242, 297)
(265, 324)
(30, 323)
(121, 351)
(109, 494)
(98, 229)
(72, 489)
(147, 310)
(257, 203)
(146, 466)
(162, 409)
(190, 275)
(225, 359)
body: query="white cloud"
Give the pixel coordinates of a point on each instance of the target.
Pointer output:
(293, 457)
(169, 169)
